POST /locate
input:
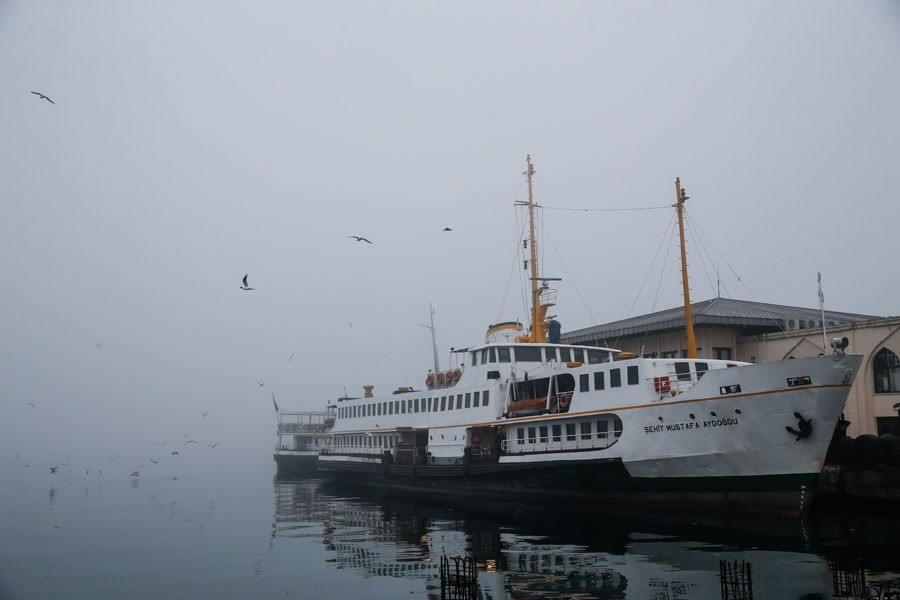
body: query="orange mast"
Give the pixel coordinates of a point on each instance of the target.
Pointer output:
(538, 333)
(688, 320)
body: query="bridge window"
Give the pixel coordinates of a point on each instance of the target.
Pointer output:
(565, 355)
(550, 354)
(683, 370)
(505, 354)
(528, 354)
(886, 367)
(702, 368)
(597, 356)
(578, 355)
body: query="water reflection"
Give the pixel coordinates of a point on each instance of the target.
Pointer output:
(556, 552)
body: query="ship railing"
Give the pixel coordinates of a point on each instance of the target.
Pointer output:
(302, 428)
(565, 442)
(355, 450)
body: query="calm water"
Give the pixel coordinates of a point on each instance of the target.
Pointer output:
(223, 535)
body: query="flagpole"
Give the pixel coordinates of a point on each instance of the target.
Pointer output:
(822, 311)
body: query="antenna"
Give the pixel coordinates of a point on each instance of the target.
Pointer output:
(437, 367)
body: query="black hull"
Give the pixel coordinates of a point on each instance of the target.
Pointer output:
(587, 483)
(294, 466)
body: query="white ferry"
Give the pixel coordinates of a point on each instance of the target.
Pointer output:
(301, 436)
(525, 416)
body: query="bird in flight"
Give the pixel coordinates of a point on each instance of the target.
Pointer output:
(54, 470)
(190, 442)
(204, 414)
(448, 229)
(43, 97)
(245, 286)
(160, 443)
(260, 383)
(174, 452)
(155, 462)
(31, 404)
(359, 239)
(291, 357)
(213, 445)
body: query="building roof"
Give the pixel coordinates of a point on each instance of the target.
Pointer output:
(750, 317)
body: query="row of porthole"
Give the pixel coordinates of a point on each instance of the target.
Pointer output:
(712, 413)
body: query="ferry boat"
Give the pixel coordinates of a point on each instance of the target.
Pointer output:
(301, 436)
(526, 416)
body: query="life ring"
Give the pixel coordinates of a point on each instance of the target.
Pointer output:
(429, 381)
(476, 438)
(564, 400)
(457, 374)
(440, 379)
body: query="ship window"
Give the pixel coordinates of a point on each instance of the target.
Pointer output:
(443, 402)
(459, 402)
(615, 378)
(683, 370)
(469, 399)
(886, 367)
(599, 380)
(532, 433)
(391, 408)
(520, 435)
(379, 408)
(570, 432)
(402, 407)
(578, 355)
(557, 432)
(505, 354)
(450, 403)
(617, 427)
(565, 355)
(484, 398)
(543, 434)
(492, 355)
(550, 354)
(477, 394)
(584, 382)
(602, 429)
(597, 356)
(474, 359)
(702, 368)
(585, 430)
(528, 354)
(632, 375)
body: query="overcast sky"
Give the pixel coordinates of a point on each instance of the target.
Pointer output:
(190, 143)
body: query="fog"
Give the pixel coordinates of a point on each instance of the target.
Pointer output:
(191, 143)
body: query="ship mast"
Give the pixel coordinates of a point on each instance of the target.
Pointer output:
(688, 320)
(539, 305)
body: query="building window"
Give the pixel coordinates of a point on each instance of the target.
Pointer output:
(887, 372)
(722, 353)
(670, 354)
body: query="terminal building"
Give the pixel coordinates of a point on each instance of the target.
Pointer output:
(758, 332)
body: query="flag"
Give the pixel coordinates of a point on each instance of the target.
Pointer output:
(274, 402)
(821, 295)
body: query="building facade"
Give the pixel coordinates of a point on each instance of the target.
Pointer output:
(758, 332)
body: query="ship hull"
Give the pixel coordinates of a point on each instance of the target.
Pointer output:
(759, 449)
(291, 464)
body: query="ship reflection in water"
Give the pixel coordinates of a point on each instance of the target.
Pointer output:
(556, 552)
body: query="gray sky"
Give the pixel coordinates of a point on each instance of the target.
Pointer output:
(193, 142)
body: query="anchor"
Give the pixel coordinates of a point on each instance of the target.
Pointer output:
(805, 426)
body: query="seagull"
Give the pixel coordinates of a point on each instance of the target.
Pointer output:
(204, 414)
(260, 383)
(190, 442)
(291, 357)
(359, 239)
(160, 443)
(447, 229)
(53, 470)
(213, 445)
(246, 287)
(135, 474)
(155, 462)
(31, 404)
(43, 97)
(174, 452)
